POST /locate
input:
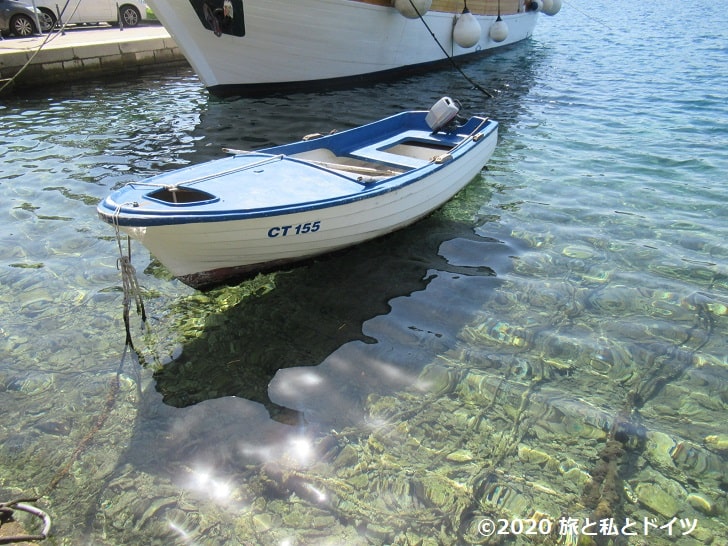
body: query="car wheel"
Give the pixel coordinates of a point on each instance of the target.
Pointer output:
(130, 16)
(22, 25)
(47, 20)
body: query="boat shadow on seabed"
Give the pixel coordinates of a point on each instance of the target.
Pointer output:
(315, 309)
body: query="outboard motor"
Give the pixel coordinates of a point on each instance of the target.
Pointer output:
(442, 112)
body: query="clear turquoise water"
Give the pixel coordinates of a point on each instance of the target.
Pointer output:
(551, 343)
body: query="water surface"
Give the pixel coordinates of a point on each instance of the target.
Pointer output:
(550, 344)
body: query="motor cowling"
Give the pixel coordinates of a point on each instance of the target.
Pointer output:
(441, 113)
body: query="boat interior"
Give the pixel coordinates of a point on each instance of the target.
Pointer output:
(366, 165)
(362, 169)
(380, 160)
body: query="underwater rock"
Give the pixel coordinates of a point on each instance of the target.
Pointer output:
(576, 476)
(263, 522)
(54, 427)
(659, 449)
(506, 497)
(534, 456)
(33, 384)
(696, 461)
(701, 503)
(347, 458)
(439, 492)
(579, 252)
(437, 379)
(460, 456)
(717, 442)
(656, 499)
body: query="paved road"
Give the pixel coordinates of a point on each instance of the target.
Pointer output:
(83, 35)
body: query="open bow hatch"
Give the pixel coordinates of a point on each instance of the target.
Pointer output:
(178, 195)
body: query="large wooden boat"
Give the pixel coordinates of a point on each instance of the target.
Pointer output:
(251, 47)
(253, 211)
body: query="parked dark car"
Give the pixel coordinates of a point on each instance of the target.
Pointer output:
(18, 18)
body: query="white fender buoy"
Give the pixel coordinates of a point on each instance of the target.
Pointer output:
(554, 9)
(499, 30)
(547, 5)
(467, 30)
(406, 8)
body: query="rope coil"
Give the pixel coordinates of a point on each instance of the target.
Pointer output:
(6, 513)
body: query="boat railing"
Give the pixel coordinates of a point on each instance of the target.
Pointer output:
(267, 159)
(325, 158)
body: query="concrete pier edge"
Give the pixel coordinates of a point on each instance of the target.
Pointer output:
(85, 53)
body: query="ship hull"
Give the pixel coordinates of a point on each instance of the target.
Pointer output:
(280, 46)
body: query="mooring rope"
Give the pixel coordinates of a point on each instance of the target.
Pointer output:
(131, 291)
(6, 514)
(450, 57)
(7, 508)
(51, 36)
(129, 281)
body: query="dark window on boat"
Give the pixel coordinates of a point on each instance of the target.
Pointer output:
(221, 16)
(423, 145)
(181, 196)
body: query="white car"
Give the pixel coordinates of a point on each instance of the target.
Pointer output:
(130, 12)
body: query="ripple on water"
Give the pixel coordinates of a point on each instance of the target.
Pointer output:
(562, 320)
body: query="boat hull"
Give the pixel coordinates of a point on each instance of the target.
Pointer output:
(203, 254)
(288, 46)
(227, 218)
